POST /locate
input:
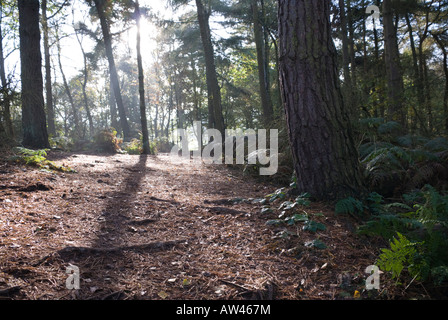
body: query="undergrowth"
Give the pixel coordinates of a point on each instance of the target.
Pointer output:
(36, 158)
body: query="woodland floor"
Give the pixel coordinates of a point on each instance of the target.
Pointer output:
(161, 227)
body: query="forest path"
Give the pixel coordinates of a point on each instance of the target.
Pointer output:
(162, 227)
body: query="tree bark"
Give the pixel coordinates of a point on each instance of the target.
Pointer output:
(141, 85)
(393, 68)
(48, 84)
(320, 132)
(107, 38)
(34, 125)
(442, 46)
(348, 88)
(214, 91)
(5, 88)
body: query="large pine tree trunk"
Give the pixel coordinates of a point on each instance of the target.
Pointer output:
(34, 126)
(214, 91)
(107, 38)
(325, 156)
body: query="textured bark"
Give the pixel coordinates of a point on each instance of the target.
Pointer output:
(34, 123)
(214, 91)
(107, 38)
(325, 157)
(393, 68)
(442, 46)
(48, 84)
(348, 88)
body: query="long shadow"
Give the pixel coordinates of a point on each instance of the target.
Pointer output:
(106, 259)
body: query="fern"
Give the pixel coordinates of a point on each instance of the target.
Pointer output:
(403, 254)
(389, 128)
(349, 205)
(437, 144)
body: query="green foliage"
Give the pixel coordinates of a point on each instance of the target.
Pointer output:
(277, 194)
(403, 254)
(313, 226)
(349, 205)
(394, 163)
(303, 199)
(134, 147)
(318, 244)
(36, 158)
(62, 143)
(162, 145)
(106, 141)
(296, 218)
(421, 247)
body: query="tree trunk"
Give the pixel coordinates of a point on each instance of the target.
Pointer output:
(84, 87)
(263, 73)
(393, 69)
(320, 132)
(141, 85)
(76, 119)
(48, 84)
(347, 88)
(442, 46)
(214, 91)
(34, 125)
(5, 87)
(113, 109)
(100, 6)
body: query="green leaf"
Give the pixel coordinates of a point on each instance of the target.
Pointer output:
(316, 244)
(314, 226)
(274, 222)
(296, 218)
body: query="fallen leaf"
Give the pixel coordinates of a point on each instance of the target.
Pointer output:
(163, 294)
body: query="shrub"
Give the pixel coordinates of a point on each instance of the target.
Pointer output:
(106, 141)
(418, 236)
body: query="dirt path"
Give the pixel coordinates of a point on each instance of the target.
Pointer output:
(159, 227)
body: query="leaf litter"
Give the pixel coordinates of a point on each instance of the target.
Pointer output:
(161, 227)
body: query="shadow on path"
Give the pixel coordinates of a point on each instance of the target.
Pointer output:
(106, 261)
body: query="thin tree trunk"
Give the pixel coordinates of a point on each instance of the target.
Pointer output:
(393, 68)
(5, 85)
(76, 119)
(442, 46)
(100, 6)
(113, 109)
(214, 91)
(141, 85)
(320, 132)
(84, 87)
(34, 124)
(48, 84)
(263, 75)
